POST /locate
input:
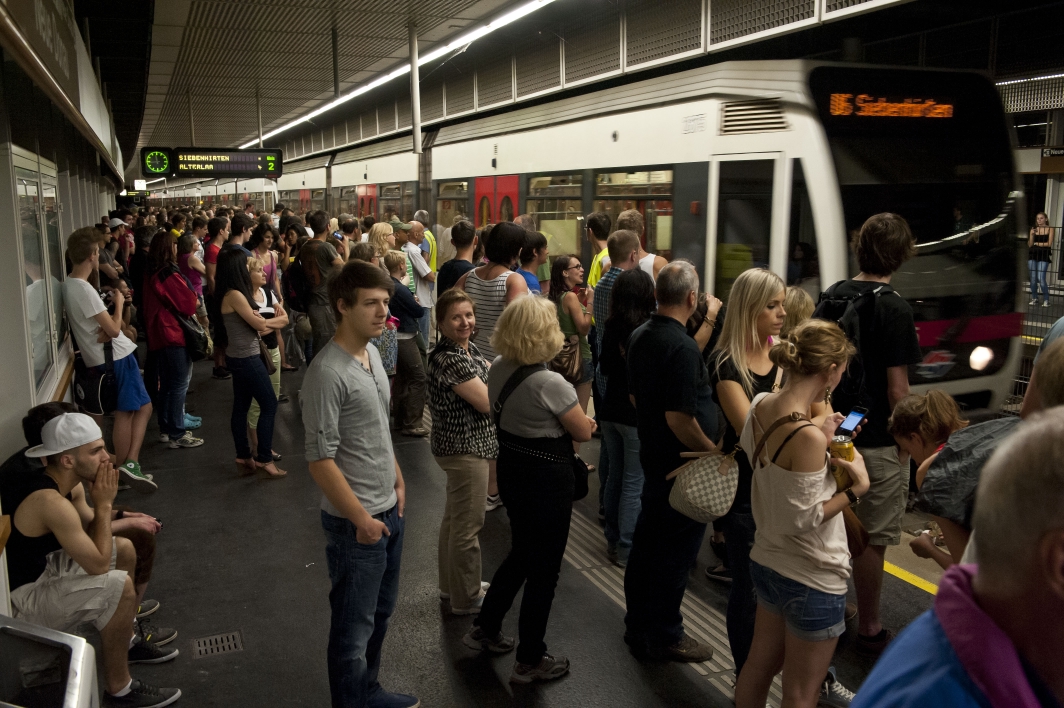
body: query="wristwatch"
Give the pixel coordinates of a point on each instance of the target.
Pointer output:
(854, 499)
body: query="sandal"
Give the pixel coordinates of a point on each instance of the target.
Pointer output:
(276, 457)
(246, 467)
(269, 470)
(289, 368)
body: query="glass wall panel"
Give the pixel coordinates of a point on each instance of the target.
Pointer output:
(35, 273)
(56, 258)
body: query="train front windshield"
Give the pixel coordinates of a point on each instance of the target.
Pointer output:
(933, 147)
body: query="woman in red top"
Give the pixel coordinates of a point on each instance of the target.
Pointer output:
(167, 292)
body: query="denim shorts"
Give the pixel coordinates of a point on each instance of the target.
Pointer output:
(589, 372)
(810, 615)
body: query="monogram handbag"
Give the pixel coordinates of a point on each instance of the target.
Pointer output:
(705, 487)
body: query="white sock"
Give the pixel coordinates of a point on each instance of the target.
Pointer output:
(125, 690)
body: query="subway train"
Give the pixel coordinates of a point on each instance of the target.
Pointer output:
(745, 164)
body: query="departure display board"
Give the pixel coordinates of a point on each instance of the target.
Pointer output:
(873, 106)
(210, 162)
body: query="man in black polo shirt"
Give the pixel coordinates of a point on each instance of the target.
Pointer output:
(669, 385)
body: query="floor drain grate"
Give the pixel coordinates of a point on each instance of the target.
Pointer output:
(217, 644)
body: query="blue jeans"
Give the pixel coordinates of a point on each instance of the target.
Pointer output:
(250, 380)
(365, 586)
(1037, 270)
(423, 324)
(174, 367)
(624, 485)
(664, 547)
(739, 530)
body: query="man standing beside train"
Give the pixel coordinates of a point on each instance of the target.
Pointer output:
(888, 346)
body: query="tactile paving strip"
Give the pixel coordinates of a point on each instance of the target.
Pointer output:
(586, 552)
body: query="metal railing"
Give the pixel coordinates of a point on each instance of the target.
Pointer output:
(1038, 318)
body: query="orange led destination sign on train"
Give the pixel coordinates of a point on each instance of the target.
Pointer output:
(865, 105)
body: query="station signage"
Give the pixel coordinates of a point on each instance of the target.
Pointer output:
(865, 105)
(210, 163)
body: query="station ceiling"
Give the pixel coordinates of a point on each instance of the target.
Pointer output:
(220, 52)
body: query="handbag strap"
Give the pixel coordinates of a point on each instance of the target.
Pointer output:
(515, 380)
(790, 418)
(108, 356)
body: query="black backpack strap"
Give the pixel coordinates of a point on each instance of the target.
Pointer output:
(515, 380)
(108, 356)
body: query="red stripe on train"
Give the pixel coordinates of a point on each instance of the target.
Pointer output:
(978, 329)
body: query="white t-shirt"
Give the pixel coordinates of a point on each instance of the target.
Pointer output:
(82, 304)
(422, 287)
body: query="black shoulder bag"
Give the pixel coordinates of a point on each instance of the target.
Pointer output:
(580, 471)
(96, 387)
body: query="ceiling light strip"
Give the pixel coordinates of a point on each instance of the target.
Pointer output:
(1024, 81)
(466, 39)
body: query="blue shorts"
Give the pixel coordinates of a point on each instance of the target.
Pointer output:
(589, 372)
(131, 392)
(810, 615)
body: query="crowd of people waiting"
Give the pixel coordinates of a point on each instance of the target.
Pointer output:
(498, 367)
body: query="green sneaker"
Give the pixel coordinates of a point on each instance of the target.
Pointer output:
(132, 475)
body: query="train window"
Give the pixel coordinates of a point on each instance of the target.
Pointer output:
(744, 219)
(452, 201)
(648, 192)
(348, 201)
(554, 202)
(803, 264)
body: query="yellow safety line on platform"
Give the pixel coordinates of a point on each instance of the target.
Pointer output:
(910, 578)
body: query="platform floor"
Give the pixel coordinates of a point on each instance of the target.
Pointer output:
(247, 554)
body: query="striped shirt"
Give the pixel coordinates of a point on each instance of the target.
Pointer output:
(489, 296)
(457, 427)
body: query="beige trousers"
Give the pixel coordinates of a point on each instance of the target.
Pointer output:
(463, 517)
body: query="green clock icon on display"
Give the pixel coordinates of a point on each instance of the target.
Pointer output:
(157, 162)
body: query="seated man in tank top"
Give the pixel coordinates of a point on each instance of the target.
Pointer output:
(632, 220)
(65, 573)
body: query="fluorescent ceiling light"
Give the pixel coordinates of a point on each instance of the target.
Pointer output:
(466, 39)
(161, 179)
(1024, 81)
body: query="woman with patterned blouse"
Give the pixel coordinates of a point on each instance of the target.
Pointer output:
(463, 440)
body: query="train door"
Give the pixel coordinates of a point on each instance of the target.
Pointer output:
(748, 217)
(496, 199)
(367, 200)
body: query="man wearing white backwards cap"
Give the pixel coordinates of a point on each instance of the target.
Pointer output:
(62, 576)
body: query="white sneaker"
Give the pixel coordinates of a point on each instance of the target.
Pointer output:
(186, 440)
(164, 438)
(484, 585)
(1045, 304)
(1034, 301)
(473, 609)
(494, 501)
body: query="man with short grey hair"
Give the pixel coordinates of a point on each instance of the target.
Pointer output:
(669, 386)
(996, 633)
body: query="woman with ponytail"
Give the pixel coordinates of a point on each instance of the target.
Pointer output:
(921, 425)
(800, 560)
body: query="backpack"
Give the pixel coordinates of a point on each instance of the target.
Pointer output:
(854, 314)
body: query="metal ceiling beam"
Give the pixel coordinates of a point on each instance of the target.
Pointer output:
(415, 90)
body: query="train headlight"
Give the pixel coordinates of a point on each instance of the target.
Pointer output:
(980, 358)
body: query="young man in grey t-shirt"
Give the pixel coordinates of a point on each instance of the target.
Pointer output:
(345, 402)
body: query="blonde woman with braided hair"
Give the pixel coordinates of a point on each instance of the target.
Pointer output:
(382, 238)
(800, 560)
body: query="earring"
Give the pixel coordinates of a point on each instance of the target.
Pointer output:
(827, 396)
